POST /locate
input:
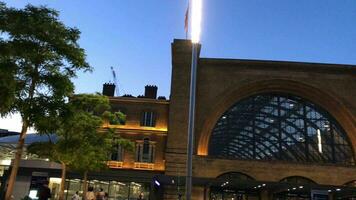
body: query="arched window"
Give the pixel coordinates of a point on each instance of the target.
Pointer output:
(233, 185)
(277, 126)
(145, 151)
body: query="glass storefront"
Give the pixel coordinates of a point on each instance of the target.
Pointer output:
(217, 194)
(116, 190)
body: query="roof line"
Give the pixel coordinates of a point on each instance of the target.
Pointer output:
(231, 60)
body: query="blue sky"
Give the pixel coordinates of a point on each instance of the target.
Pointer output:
(135, 36)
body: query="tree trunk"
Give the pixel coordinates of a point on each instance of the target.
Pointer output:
(16, 163)
(20, 144)
(63, 181)
(85, 185)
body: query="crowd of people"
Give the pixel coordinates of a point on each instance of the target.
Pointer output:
(45, 194)
(100, 195)
(91, 195)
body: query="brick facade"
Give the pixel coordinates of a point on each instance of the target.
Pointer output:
(220, 84)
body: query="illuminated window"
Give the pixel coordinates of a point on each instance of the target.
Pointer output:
(148, 119)
(145, 151)
(277, 126)
(117, 152)
(227, 190)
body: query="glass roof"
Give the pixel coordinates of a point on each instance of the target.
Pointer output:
(30, 138)
(8, 145)
(277, 126)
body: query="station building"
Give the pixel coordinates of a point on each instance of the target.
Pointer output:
(263, 130)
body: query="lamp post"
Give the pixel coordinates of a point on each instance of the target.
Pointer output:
(196, 13)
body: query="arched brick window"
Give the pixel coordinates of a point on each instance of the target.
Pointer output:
(279, 126)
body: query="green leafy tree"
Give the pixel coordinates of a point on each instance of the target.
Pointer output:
(77, 116)
(114, 118)
(61, 151)
(94, 152)
(82, 144)
(96, 142)
(7, 85)
(38, 57)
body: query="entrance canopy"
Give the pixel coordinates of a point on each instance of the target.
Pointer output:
(235, 184)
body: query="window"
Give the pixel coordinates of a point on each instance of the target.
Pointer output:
(145, 151)
(117, 152)
(148, 119)
(278, 126)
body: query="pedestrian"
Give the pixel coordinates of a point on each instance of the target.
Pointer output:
(179, 196)
(75, 196)
(100, 195)
(140, 197)
(106, 196)
(90, 194)
(44, 193)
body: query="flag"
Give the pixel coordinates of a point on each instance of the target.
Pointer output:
(186, 21)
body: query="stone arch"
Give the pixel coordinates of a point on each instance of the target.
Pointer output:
(325, 99)
(351, 183)
(297, 179)
(231, 174)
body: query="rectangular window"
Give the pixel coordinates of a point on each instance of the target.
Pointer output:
(117, 152)
(145, 151)
(148, 119)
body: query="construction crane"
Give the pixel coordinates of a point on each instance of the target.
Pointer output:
(115, 80)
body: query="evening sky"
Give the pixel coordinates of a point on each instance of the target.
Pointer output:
(134, 36)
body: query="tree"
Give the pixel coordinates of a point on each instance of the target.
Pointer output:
(96, 141)
(94, 153)
(82, 144)
(7, 85)
(38, 57)
(61, 151)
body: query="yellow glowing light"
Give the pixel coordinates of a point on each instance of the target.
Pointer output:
(5, 162)
(196, 14)
(320, 147)
(55, 180)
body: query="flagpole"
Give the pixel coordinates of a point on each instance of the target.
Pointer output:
(191, 121)
(196, 6)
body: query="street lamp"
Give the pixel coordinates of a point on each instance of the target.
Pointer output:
(196, 13)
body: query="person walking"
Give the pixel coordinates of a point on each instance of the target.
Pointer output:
(75, 196)
(106, 197)
(90, 194)
(140, 197)
(44, 193)
(100, 195)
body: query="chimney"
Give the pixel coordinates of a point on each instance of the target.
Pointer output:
(109, 89)
(151, 91)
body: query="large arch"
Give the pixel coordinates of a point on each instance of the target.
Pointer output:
(236, 175)
(297, 180)
(276, 126)
(324, 99)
